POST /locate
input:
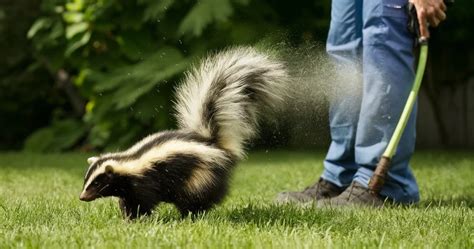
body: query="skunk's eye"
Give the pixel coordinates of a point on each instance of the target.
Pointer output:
(95, 183)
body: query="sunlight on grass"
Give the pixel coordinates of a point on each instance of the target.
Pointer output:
(39, 208)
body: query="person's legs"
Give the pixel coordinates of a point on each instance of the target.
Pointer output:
(388, 76)
(344, 44)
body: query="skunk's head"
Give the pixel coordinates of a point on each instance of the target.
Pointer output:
(101, 180)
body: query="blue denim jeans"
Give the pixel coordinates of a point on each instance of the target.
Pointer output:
(371, 37)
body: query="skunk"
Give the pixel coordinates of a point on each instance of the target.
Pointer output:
(218, 108)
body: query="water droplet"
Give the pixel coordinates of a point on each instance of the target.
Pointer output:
(180, 42)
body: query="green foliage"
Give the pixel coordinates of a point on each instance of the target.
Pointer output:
(26, 96)
(204, 13)
(61, 135)
(125, 57)
(120, 58)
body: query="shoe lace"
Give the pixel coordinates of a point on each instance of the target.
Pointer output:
(355, 195)
(350, 192)
(315, 188)
(310, 189)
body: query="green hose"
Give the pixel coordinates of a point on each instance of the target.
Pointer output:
(397, 134)
(378, 179)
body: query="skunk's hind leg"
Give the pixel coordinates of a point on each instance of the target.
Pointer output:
(193, 208)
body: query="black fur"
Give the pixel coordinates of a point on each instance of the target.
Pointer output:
(165, 183)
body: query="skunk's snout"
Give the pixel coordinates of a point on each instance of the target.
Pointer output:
(85, 196)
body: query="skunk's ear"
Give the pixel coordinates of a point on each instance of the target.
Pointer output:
(109, 170)
(92, 160)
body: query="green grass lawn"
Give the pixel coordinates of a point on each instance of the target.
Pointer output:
(40, 208)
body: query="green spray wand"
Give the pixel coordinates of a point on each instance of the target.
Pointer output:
(378, 179)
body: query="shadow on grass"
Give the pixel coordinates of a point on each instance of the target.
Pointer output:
(461, 201)
(345, 219)
(291, 216)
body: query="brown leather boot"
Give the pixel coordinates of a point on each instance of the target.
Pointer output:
(355, 195)
(322, 189)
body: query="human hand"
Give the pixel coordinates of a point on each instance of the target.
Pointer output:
(430, 12)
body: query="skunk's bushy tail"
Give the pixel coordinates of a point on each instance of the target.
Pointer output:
(223, 97)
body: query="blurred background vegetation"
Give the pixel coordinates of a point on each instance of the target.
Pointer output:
(99, 74)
